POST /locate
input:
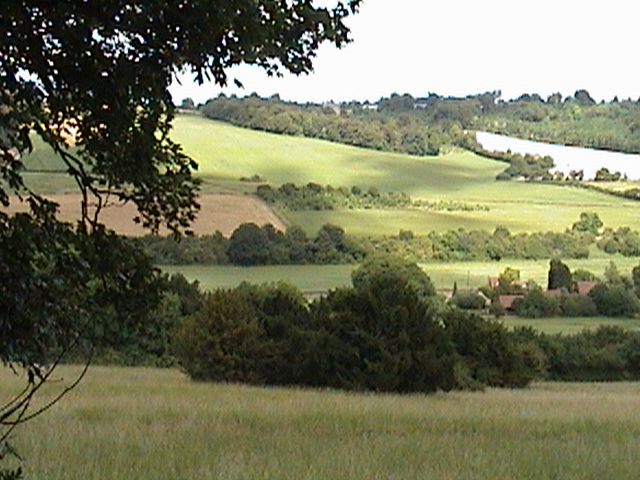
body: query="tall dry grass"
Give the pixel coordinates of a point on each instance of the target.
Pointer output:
(155, 424)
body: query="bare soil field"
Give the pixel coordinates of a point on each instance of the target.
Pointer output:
(217, 212)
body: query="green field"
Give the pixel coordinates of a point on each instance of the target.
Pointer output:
(225, 153)
(571, 325)
(443, 274)
(308, 278)
(130, 424)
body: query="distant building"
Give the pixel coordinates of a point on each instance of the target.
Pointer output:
(583, 288)
(507, 301)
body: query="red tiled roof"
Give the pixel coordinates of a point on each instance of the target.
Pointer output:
(585, 287)
(507, 300)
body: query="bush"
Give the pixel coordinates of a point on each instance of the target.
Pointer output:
(577, 306)
(606, 354)
(222, 341)
(393, 269)
(469, 301)
(490, 355)
(381, 336)
(614, 300)
(536, 304)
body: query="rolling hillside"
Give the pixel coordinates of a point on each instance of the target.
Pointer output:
(226, 153)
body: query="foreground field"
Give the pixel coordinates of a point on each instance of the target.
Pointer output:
(140, 423)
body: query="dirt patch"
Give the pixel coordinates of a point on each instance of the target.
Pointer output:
(217, 212)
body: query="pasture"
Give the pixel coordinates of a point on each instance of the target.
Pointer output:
(140, 423)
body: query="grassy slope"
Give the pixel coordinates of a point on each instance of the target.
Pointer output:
(226, 153)
(139, 423)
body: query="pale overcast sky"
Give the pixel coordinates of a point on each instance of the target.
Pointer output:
(462, 47)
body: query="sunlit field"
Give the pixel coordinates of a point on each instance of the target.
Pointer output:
(138, 423)
(226, 153)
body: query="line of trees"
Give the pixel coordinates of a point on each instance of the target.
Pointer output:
(365, 129)
(389, 332)
(314, 196)
(251, 244)
(426, 126)
(464, 244)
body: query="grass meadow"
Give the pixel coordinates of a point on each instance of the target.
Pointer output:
(443, 274)
(129, 424)
(570, 325)
(225, 153)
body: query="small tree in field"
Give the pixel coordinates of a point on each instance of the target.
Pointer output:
(559, 276)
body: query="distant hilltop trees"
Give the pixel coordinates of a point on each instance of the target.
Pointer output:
(430, 125)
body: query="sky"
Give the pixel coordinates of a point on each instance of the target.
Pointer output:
(464, 47)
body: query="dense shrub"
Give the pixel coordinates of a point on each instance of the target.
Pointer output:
(491, 355)
(468, 301)
(615, 300)
(381, 337)
(387, 333)
(575, 305)
(537, 304)
(222, 341)
(392, 269)
(606, 354)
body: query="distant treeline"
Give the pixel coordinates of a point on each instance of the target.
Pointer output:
(424, 126)
(364, 128)
(251, 244)
(467, 245)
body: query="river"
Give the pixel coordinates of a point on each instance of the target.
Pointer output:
(566, 158)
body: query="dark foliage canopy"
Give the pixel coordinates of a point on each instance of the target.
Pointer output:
(90, 78)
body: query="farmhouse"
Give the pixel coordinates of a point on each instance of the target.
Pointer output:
(583, 288)
(507, 301)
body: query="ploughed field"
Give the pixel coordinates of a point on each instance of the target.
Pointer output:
(219, 212)
(137, 423)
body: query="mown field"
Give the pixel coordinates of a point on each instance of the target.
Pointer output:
(139, 423)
